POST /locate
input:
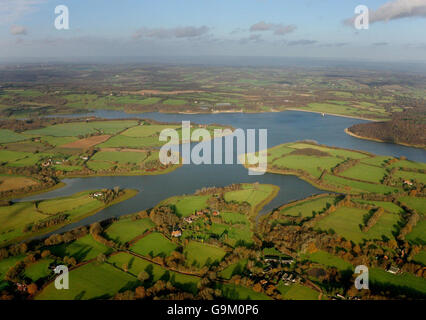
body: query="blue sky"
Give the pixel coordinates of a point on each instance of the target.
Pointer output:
(303, 28)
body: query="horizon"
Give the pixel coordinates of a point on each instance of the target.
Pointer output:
(271, 28)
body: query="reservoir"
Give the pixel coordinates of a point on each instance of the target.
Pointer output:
(283, 127)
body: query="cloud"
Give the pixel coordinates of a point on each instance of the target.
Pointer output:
(251, 38)
(18, 30)
(278, 29)
(11, 10)
(396, 9)
(167, 33)
(283, 30)
(302, 42)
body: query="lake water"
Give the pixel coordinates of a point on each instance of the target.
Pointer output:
(282, 127)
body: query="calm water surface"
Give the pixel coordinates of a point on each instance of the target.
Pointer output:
(282, 127)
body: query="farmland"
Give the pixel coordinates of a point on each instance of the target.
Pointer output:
(93, 147)
(125, 229)
(24, 219)
(154, 244)
(91, 281)
(342, 170)
(199, 254)
(346, 221)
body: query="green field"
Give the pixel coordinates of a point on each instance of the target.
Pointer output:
(401, 282)
(328, 260)
(136, 265)
(234, 218)
(365, 172)
(418, 234)
(127, 229)
(358, 186)
(420, 257)
(346, 223)
(388, 206)
(16, 217)
(91, 281)
(201, 254)
(5, 265)
(254, 195)
(7, 136)
(232, 235)
(83, 128)
(417, 203)
(174, 102)
(414, 176)
(235, 292)
(154, 244)
(187, 205)
(233, 269)
(83, 249)
(305, 163)
(120, 157)
(297, 292)
(39, 269)
(307, 208)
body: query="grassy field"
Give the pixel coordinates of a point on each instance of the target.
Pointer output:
(136, 265)
(235, 292)
(307, 208)
(174, 102)
(120, 157)
(414, 176)
(310, 160)
(417, 203)
(401, 282)
(187, 205)
(358, 186)
(91, 281)
(7, 136)
(418, 234)
(297, 292)
(254, 195)
(83, 128)
(346, 223)
(234, 218)
(154, 244)
(305, 163)
(126, 229)
(39, 269)
(420, 257)
(5, 265)
(233, 269)
(201, 254)
(83, 249)
(232, 235)
(365, 172)
(388, 206)
(14, 219)
(328, 260)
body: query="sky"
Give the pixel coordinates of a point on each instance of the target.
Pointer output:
(266, 28)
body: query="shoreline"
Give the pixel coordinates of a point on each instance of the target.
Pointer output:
(382, 141)
(333, 114)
